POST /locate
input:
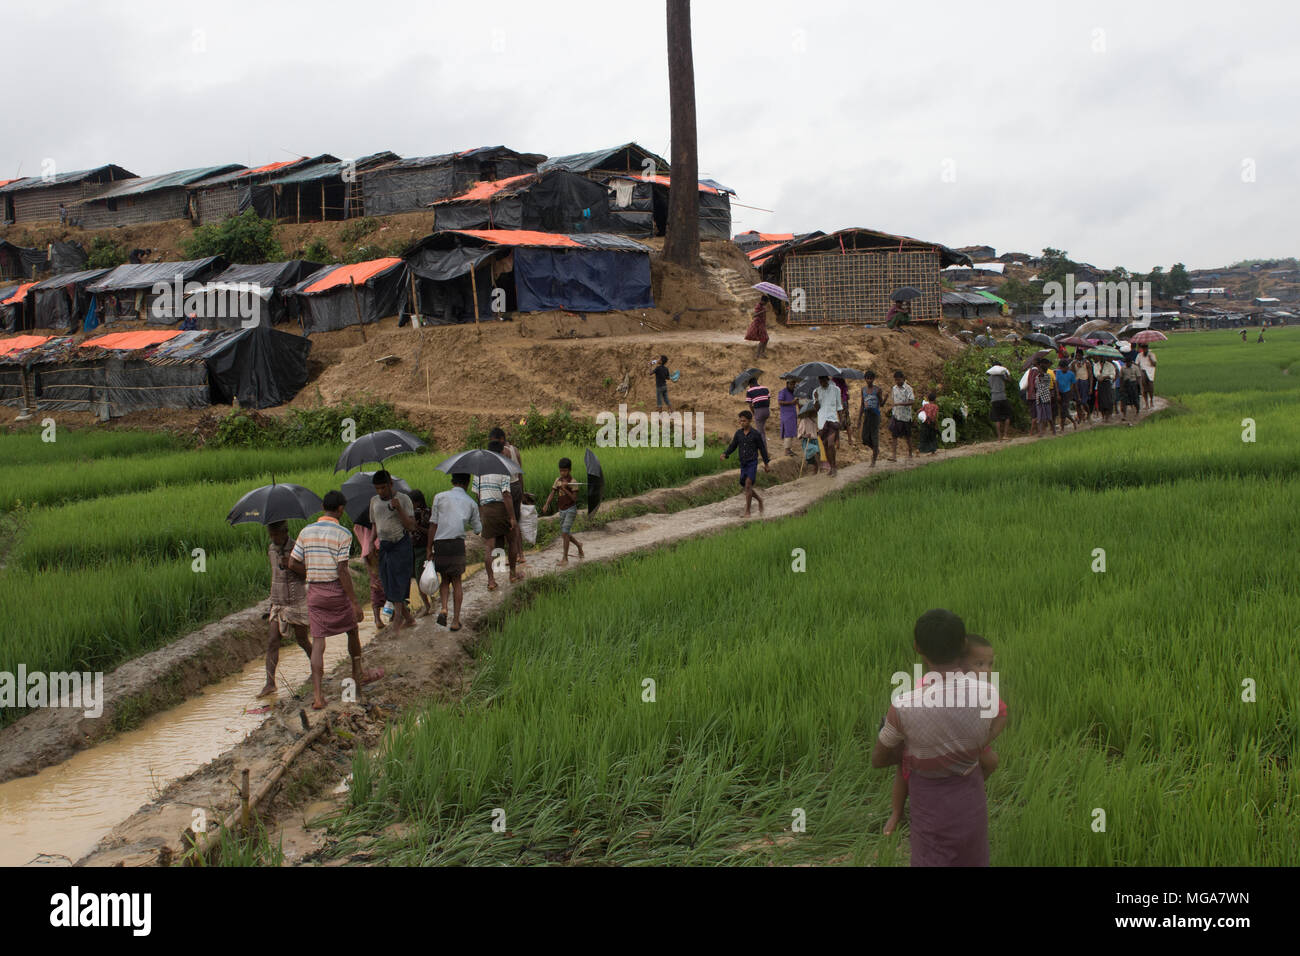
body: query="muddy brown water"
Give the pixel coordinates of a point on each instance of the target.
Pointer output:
(61, 813)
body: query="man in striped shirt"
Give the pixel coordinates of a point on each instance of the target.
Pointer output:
(321, 555)
(940, 729)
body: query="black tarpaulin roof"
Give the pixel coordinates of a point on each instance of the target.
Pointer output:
(855, 238)
(260, 172)
(621, 159)
(71, 278)
(99, 173)
(268, 275)
(441, 159)
(28, 257)
(148, 184)
(317, 171)
(144, 276)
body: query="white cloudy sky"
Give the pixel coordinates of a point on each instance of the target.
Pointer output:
(1117, 131)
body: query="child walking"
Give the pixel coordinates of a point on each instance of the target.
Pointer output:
(565, 490)
(750, 443)
(807, 434)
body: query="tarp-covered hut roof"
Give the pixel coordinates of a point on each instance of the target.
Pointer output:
(628, 158)
(145, 275)
(98, 174)
(181, 177)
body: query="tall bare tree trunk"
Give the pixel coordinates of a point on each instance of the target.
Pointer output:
(682, 232)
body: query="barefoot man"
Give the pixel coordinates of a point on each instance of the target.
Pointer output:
(288, 604)
(453, 513)
(321, 555)
(750, 443)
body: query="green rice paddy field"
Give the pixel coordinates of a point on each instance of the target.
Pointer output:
(1125, 688)
(97, 532)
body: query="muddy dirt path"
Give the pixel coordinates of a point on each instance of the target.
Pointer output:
(429, 662)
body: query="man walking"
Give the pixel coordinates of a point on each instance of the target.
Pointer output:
(900, 415)
(393, 517)
(661, 384)
(497, 508)
(1000, 407)
(1147, 363)
(828, 401)
(288, 614)
(453, 512)
(321, 556)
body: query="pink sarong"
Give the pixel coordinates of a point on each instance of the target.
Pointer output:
(949, 820)
(328, 609)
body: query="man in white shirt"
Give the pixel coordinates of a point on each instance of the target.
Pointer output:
(393, 517)
(454, 512)
(829, 402)
(1146, 361)
(900, 416)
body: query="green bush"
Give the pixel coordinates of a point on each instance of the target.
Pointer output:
(305, 427)
(965, 383)
(104, 254)
(557, 428)
(246, 238)
(317, 250)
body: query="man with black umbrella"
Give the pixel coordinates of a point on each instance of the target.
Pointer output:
(288, 614)
(393, 517)
(829, 401)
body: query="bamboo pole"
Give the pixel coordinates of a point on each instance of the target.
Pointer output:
(415, 297)
(245, 816)
(322, 200)
(204, 846)
(356, 301)
(299, 216)
(473, 284)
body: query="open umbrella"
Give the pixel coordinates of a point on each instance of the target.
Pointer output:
(478, 461)
(1011, 337)
(852, 374)
(772, 289)
(377, 446)
(1107, 338)
(1039, 338)
(741, 380)
(1091, 325)
(1041, 353)
(595, 480)
(272, 503)
(1148, 335)
(1077, 341)
(1104, 351)
(906, 294)
(813, 370)
(357, 492)
(985, 341)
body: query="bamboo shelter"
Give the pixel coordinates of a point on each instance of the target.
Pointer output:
(847, 277)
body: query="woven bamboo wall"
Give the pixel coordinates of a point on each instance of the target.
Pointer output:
(156, 206)
(217, 203)
(852, 288)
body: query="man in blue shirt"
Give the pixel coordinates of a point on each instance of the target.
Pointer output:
(1065, 390)
(751, 444)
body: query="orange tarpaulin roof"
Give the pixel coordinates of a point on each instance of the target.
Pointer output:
(270, 166)
(19, 294)
(20, 342)
(776, 236)
(358, 273)
(520, 237)
(128, 341)
(489, 188)
(761, 252)
(6, 182)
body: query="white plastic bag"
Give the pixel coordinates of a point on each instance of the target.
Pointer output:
(1024, 380)
(528, 523)
(429, 579)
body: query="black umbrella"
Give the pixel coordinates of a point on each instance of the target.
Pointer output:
(595, 481)
(1040, 338)
(272, 503)
(985, 341)
(741, 380)
(359, 489)
(805, 388)
(1102, 335)
(479, 461)
(850, 374)
(1041, 353)
(377, 446)
(813, 370)
(905, 294)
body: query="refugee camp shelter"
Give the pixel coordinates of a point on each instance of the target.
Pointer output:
(638, 182)
(114, 374)
(316, 191)
(128, 291)
(62, 302)
(66, 257)
(14, 305)
(553, 201)
(20, 262)
(338, 296)
(408, 185)
(760, 246)
(969, 305)
(245, 296)
(229, 194)
(147, 199)
(459, 273)
(37, 198)
(847, 277)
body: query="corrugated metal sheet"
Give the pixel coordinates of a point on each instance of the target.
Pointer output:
(107, 173)
(181, 177)
(321, 171)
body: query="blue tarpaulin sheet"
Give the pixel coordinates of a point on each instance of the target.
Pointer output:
(581, 280)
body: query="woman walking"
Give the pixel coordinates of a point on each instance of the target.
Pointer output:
(757, 331)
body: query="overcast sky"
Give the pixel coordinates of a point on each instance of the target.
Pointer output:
(1127, 134)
